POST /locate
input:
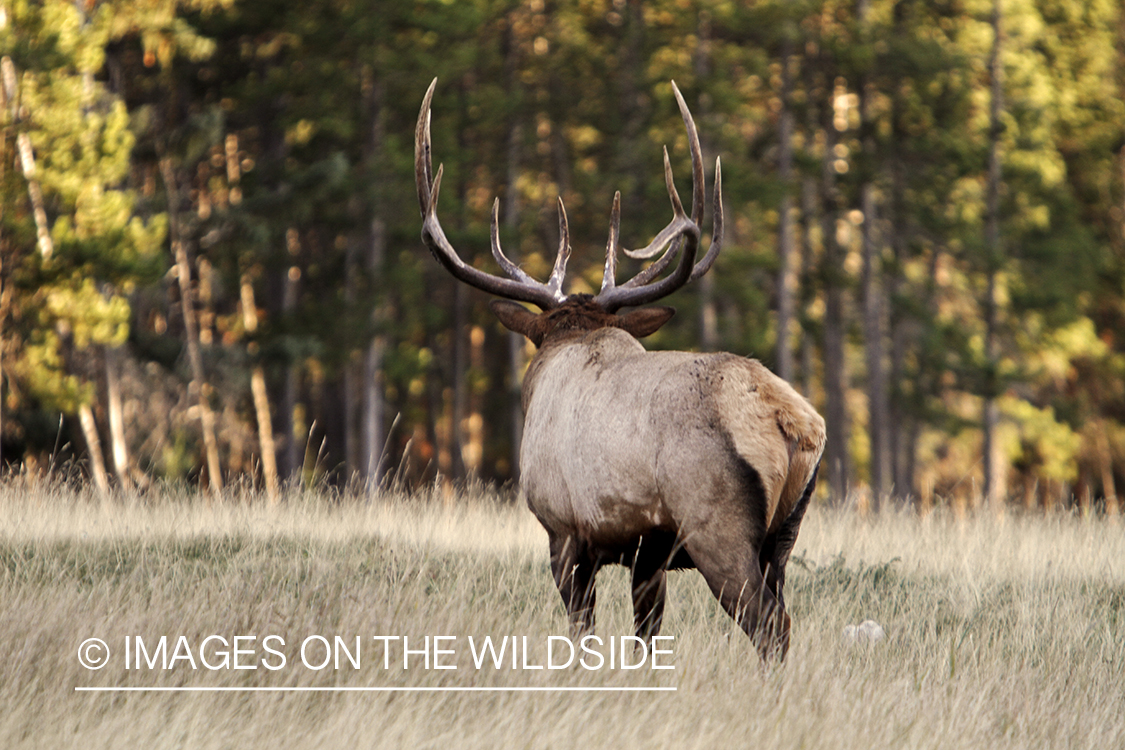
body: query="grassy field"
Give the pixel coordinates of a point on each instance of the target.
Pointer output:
(1001, 632)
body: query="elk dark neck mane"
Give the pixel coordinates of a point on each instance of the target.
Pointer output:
(579, 314)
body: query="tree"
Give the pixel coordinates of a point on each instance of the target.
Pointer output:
(68, 298)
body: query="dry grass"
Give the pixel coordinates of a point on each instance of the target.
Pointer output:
(1004, 633)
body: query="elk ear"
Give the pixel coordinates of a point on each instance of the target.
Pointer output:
(645, 320)
(518, 319)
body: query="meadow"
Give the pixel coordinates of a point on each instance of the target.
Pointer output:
(1002, 631)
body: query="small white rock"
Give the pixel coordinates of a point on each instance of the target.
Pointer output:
(871, 631)
(868, 631)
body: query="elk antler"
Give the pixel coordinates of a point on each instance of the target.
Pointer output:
(520, 286)
(682, 233)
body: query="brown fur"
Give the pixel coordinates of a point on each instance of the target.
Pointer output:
(662, 459)
(579, 314)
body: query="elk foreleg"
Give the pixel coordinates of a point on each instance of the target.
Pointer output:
(649, 587)
(574, 574)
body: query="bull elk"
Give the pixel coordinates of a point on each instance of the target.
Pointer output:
(655, 460)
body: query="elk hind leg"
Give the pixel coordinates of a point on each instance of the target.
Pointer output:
(731, 568)
(774, 555)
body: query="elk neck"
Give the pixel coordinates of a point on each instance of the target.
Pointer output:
(570, 324)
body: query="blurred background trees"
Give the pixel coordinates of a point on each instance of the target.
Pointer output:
(211, 267)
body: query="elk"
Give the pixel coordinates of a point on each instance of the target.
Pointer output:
(654, 460)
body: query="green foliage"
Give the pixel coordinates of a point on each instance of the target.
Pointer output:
(289, 129)
(79, 131)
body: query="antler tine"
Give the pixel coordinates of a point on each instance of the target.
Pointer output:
(697, 182)
(708, 260)
(609, 275)
(673, 248)
(423, 166)
(612, 299)
(522, 287)
(668, 233)
(508, 266)
(641, 288)
(558, 273)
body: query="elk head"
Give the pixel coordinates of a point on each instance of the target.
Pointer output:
(562, 313)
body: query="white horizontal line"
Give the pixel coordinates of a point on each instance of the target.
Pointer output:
(310, 689)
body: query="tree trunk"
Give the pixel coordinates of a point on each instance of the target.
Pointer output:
(900, 419)
(373, 437)
(809, 221)
(1105, 465)
(116, 418)
(459, 350)
(94, 445)
(373, 444)
(1109, 486)
(26, 158)
(872, 295)
(628, 76)
(910, 433)
(994, 489)
(353, 370)
(4, 296)
(517, 360)
(786, 272)
(835, 374)
(199, 385)
(293, 463)
(473, 451)
(261, 399)
(460, 371)
(873, 351)
(10, 89)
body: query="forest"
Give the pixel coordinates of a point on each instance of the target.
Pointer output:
(211, 271)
